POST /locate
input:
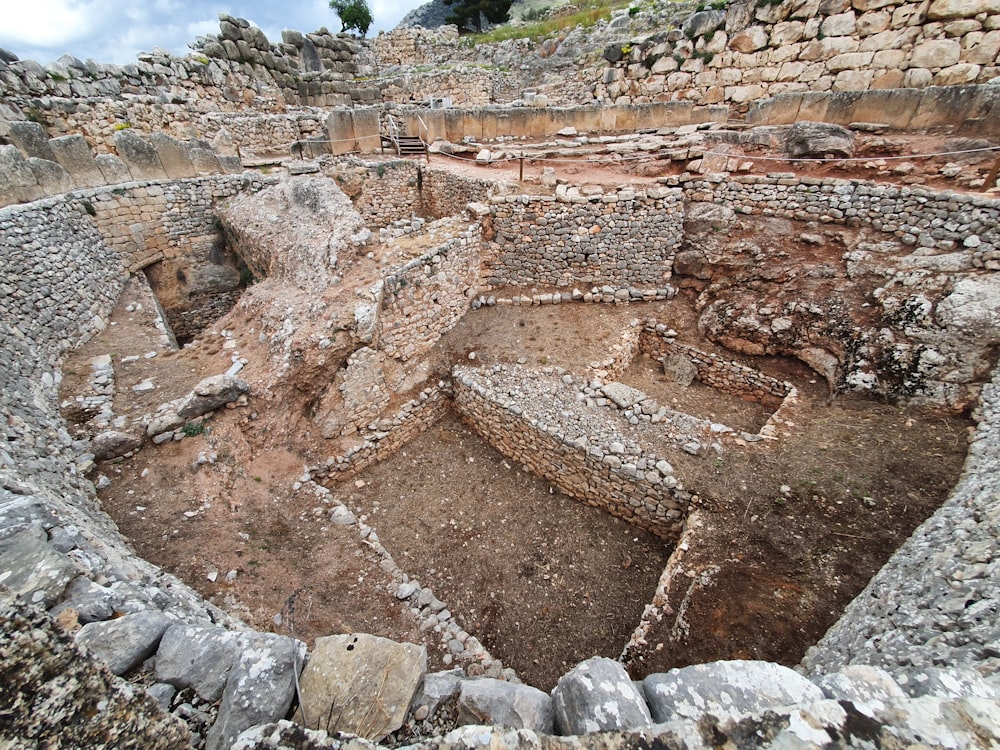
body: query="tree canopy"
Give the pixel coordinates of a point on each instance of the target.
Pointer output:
(354, 14)
(469, 14)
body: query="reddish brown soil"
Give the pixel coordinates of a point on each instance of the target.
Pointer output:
(770, 569)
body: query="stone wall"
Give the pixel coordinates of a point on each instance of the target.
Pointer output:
(424, 298)
(718, 372)
(589, 455)
(911, 316)
(386, 435)
(400, 190)
(754, 50)
(624, 238)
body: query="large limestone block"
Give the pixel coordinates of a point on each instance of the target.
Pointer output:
(360, 684)
(51, 177)
(31, 139)
(260, 687)
(943, 9)
(174, 156)
(113, 168)
(17, 181)
(597, 695)
(861, 684)
(125, 642)
(972, 309)
(198, 657)
(142, 160)
(725, 689)
(74, 154)
(493, 702)
(32, 568)
(935, 53)
(749, 40)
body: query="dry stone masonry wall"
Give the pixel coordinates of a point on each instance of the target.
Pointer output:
(622, 239)
(754, 50)
(534, 418)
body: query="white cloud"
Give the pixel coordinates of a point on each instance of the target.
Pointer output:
(44, 23)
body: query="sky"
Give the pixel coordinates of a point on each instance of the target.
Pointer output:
(115, 31)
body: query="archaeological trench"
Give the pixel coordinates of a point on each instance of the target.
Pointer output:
(654, 404)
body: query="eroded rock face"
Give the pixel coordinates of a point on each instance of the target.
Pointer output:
(598, 696)
(818, 139)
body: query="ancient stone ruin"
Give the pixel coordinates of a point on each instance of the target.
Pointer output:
(237, 284)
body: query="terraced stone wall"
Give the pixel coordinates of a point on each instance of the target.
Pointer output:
(600, 469)
(624, 238)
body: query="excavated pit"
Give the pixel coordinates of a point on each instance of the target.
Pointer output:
(790, 527)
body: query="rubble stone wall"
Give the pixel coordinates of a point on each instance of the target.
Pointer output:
(938, 220)
(621, 239)
(718, 372)
(598, 472)
(426, 297)
(754, 50)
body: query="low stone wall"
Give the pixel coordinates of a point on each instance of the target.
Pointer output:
(940, 220)
(718, 372)
(386, 435)
(585, 455)
(426, 297)
(402, 189)
(624, 238)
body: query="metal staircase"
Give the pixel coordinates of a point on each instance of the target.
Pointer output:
(404, 145)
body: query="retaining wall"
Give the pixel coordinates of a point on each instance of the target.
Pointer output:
(426, 297)
(624, 238)
(594, 464)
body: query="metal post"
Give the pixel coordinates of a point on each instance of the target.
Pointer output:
(520, 176)
(991, 178)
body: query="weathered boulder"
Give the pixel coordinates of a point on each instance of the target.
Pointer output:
(495, 702)
(680, 369)
(360, 684)
(30, 567)
(597, 695)
(174, 156)
(703, 23)
(125, 642)
(437, 688)
(701, 217)
(113, 443)
(142, 160)
(113, 169)
(74, 154)
(260, 686)
(861, 684)
(31, 139)
(725, 689)
(50, 176)
(17, 181)
(818, 139)
(211, 393)
(197, 657)
(55, 696)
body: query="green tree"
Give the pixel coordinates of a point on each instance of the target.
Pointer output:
(354, 14)
(469, 14)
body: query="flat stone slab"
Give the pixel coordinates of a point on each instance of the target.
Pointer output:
(597, 695)
(624, 396)
(725, 689)
(360, 684)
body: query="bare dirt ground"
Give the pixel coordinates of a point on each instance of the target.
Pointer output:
(793, 530)
(540, 579)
